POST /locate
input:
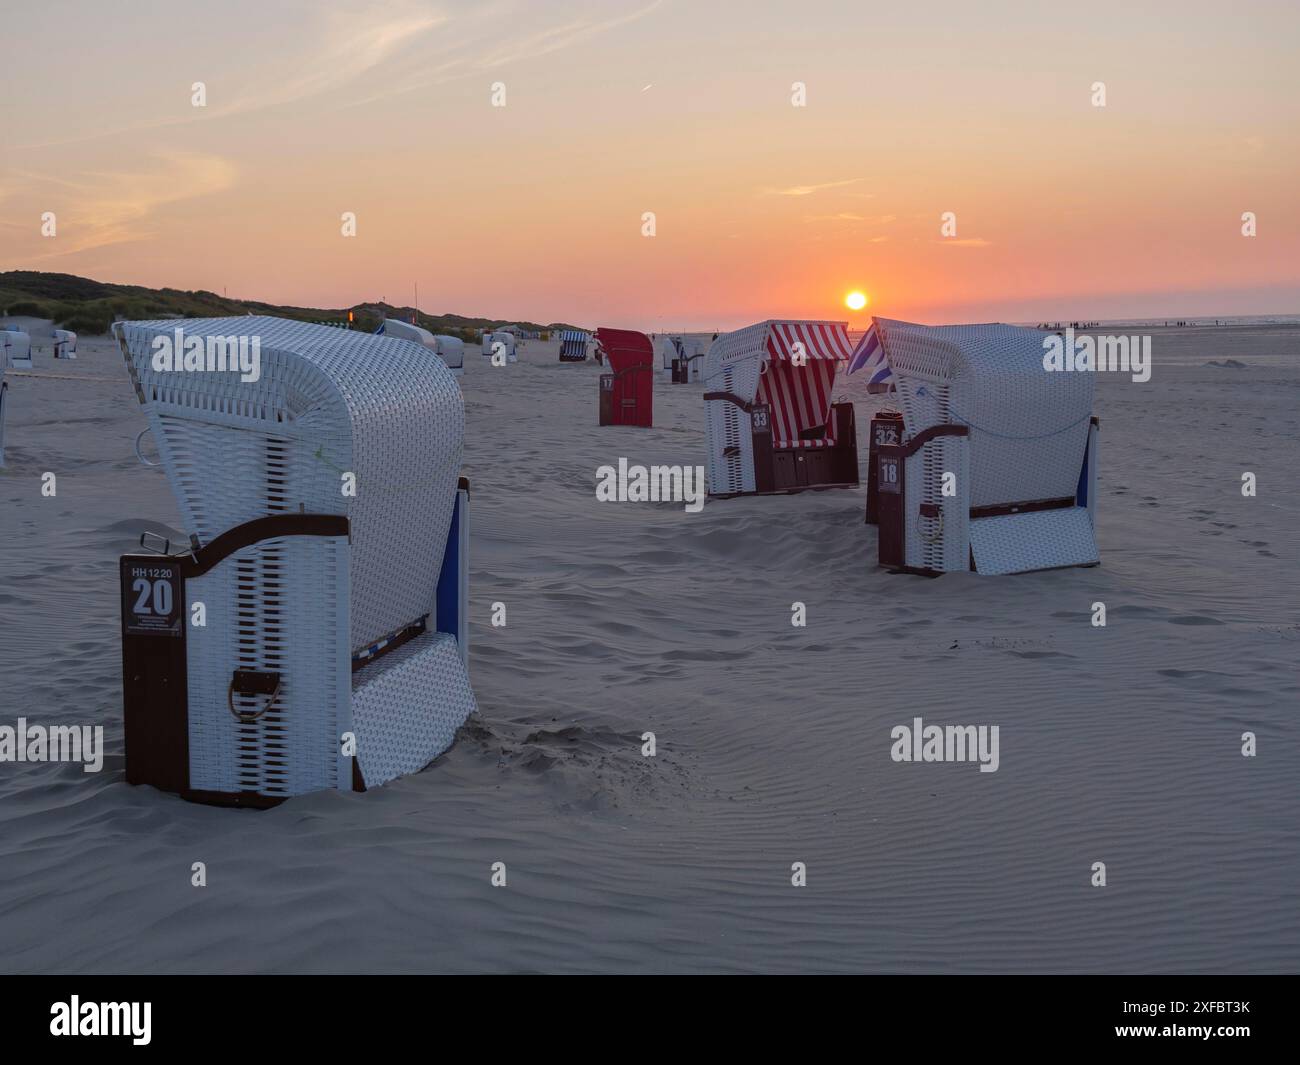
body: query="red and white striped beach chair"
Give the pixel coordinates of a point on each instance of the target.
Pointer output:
(769, 419)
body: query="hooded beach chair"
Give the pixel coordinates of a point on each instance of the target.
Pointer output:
(769, 420)
(695, 351)
(670, 353)
(996, 470)
(452, 354)
(451, 350)
(17, 349)
(573, 345)
(65, 344)
(502, 342)
(627, 394)
(318, 610)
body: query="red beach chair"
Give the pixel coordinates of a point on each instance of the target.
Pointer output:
(627, 394)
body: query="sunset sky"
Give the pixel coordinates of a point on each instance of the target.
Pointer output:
(533, 211)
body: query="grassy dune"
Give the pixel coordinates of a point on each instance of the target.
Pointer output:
(89, 307)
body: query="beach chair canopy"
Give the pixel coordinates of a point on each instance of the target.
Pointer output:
(669, 348)
(1028, 427)
(16, 348)
(695, 350)
(869, 356)
(573, 343)
(625, 349)
(449, 349)
(788, 366)
(395, 327)
(330, 410)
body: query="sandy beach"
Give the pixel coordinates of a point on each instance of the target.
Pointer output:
(1119, 744)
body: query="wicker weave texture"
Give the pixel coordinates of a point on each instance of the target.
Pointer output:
(329, 402)
(941, 543)
(732, 365)
(277, 606)
(1044, 539)
(1028, 426)
(407, 707)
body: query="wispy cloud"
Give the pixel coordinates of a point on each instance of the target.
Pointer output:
(467, 54)
(553, 38)
(809, 190)
(964, 242)
(117, 207)
(848, 216)
(388, 52)
(349, 51)
(348, 47)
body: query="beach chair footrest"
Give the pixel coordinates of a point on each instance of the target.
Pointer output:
(407, 706)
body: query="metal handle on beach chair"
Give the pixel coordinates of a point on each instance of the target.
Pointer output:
(144, 461)
(147, 539)
(251, 682)
(931, 511)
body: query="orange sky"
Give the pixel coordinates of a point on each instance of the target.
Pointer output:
(763, 209)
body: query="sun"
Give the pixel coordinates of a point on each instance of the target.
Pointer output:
(855, 301)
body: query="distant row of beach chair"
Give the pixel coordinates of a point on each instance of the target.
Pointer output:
(990, 466)
(16, 346)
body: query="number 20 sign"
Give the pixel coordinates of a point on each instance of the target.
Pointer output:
(151, 597)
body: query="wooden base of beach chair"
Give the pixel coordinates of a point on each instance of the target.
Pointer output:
(886, 430)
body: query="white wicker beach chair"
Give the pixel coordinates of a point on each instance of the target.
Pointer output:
(695, 352)
(65, 344)
(507, 344)
(17, 349)
(668, 348)
(770, 423)
(332, 620)
(1019, 441)
(451, 350)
